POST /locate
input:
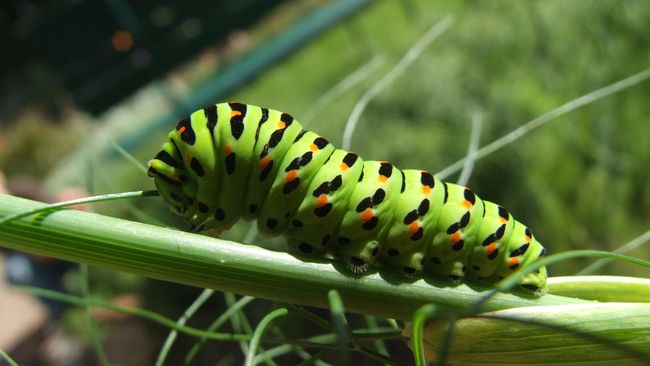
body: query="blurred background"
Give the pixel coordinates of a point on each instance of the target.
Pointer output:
(79, 78)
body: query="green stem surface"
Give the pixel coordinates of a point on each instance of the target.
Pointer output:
(207, 262)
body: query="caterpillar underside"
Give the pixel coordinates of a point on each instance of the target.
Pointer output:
(231, 161)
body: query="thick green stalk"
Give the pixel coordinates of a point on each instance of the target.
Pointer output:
(587, 334)
(207, 262)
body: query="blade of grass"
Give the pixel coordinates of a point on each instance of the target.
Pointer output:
(232, 310)
(379, 344)
(311, 317)
(95, 340)
(127, 156)
(8, 359)
(420, 318)
(259, 332)
(240, 323)
(79, 201)
(315, 358)
(376, 334)
(409, 57)
(341, 87)
(189, 312)
(625, 248)
(283, 350)
(546, 117)
(142, 313)
(102, 179)
(341, 327)
(474, 138)
(346, 336)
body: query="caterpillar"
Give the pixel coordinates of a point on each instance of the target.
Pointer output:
(231, 160)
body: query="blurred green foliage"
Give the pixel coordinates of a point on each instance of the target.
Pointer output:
(582, 181)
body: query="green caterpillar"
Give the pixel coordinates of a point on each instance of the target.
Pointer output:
(231, 161)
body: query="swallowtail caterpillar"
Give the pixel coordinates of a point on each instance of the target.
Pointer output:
(231, 161)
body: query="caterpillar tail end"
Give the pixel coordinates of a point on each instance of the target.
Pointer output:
(535, 282)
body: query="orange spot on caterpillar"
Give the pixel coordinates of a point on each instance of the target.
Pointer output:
(313, 147)
(235, 113)
(228, 149)
(188, 158)
(413, 227)
(181, 130)
(264, 162)
(455, 237)
(291, 175)
(502, 220)
(467, 204)
(366, 215)
(281, 125)
(513, 261)
(383, 179)
(321, 200)
(426, 190)
(491, 248)
(343, 167)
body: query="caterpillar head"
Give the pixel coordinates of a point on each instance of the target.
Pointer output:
(172, 181)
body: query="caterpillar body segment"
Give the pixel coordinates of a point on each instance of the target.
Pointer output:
(319, 216)
(273, 132)
(298, 167)
(230, 161)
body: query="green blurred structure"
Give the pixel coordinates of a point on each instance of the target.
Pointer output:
(104, 50)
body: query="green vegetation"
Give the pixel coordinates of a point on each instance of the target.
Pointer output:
(580, 181)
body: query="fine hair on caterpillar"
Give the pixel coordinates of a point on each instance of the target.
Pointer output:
(231, 161)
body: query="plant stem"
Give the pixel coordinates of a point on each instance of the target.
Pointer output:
(207, 262)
